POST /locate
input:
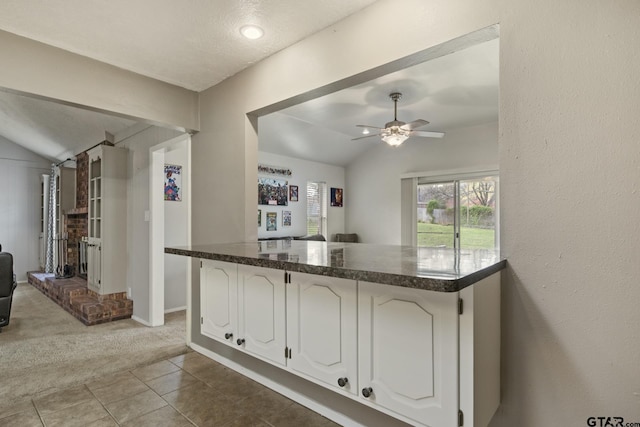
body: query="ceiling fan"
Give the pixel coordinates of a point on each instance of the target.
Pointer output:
(396, 132)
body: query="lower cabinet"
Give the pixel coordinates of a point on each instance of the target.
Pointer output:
(244, 307)
(322, 329)
(391, 348)
(261, 313)
(408, 343)
(94, 265)
(219, 300)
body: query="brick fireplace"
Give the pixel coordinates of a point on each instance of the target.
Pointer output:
(71, 293)
(75, 221)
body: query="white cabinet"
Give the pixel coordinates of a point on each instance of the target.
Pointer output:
(408, 348)
(244, 307)
(322, 329)
(94, 265)
(410, 353)
(107, 220)
(308, 325)
(219, 300)
(261, 312)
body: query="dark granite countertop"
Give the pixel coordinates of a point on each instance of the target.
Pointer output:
(435, 269)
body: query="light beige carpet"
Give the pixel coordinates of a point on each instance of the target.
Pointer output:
(45, 349)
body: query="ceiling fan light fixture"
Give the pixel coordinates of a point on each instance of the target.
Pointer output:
(394, 135)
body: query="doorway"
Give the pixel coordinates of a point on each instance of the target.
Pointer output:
(170, 223)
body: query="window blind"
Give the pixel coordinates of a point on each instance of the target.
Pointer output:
(316, 207)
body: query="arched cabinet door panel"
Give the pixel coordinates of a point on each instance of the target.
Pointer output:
(219, 300)
(261, 313)
(322, 329)
(408, 347)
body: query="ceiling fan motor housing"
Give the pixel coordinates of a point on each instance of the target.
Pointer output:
(395, 96)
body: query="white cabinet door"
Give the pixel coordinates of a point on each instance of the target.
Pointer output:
(94, 265)
(322, 329)
(408, 352)
(261, 309)
(219, 300)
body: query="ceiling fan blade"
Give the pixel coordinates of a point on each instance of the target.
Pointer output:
(366, 136)
(414, 124)
(427, 134)
(367, 126)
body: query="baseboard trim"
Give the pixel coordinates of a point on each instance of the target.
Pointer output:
(171, 310)
(139, 320)
(325, 411)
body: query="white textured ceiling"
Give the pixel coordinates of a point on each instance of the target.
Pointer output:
(193, 44)
(453, 91)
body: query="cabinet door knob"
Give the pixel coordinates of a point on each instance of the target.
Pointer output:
(240, 341)
(366, 392)
(343, 381)
(228, 335)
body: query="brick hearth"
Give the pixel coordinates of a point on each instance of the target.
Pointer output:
(84, 304)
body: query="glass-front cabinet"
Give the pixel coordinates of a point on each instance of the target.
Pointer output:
(107, 220)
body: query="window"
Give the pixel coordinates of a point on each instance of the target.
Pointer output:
(316, 208)
(456, 212)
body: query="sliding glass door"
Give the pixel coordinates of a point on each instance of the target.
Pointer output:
(478, 213)
(436, 214)
(457, 213)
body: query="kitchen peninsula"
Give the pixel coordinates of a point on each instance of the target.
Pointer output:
(411, 332)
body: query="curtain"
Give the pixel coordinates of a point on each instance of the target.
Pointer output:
(51, 221)
(408, 214)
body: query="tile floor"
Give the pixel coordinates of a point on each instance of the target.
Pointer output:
(186, 390)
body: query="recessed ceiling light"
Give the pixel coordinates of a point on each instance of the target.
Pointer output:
(365, 131)
(251, 32)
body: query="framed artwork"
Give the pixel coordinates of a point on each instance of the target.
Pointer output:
(272, 221)
(172, 183)
(336, 197)
(272, 192)
(259, 217)
(293, 193)
(286, 218)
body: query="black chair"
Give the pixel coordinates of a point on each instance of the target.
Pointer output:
(7, 286)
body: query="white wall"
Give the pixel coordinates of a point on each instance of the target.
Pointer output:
(175, 234)
(568, 140)
(303, 171)
(137, 204)
(20, 205)
(374, 178)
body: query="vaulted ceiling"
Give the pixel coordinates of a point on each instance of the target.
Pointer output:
(452, 91)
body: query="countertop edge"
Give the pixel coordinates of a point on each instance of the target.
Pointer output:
(422, 283)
